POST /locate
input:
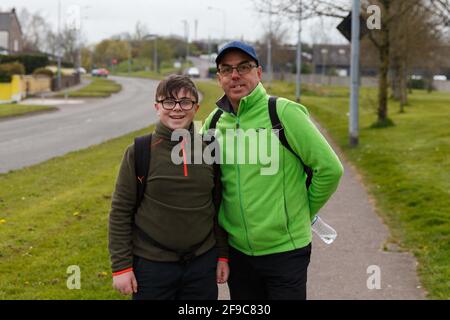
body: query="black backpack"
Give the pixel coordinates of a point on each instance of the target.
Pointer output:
(278, 128)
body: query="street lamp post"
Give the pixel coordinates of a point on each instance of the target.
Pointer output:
(155, 50)
(224, 20)
(58, 81)
(269, 49)
(354, 95)
(186, 35)
(299, 54)
(82, 8)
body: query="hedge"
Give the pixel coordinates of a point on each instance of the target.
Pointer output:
(7, 70)
(43, 71)
(30, 62)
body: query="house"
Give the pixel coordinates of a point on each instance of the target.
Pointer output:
(10, 32)
(335, 59)
(329, 58)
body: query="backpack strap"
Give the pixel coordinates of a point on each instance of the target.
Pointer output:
(215, 118)
(142, 155)
(278, 129)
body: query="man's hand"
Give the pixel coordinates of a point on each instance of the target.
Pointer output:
(223, 271)
(125, 283)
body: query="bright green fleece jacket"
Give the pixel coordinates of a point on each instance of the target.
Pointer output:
(265, 214)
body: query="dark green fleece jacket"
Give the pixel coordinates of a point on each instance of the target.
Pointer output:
(177, 210)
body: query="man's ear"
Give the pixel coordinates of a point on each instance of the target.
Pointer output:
(196, 108)
(259, 72)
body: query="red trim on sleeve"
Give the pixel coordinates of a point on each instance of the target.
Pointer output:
(121, 272)
(223, 259)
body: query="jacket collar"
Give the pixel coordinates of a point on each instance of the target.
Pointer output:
(161, 131)
(246, 102)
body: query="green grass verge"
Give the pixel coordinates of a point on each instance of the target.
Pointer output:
(405, 167)
(98, 88)
(15, 110)
(150, 74)
(141, 74)
(55, 214)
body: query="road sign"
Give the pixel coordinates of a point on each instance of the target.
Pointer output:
(345, 27)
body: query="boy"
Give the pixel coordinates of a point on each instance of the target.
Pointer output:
(170, 247)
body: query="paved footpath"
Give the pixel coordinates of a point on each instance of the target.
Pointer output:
(345, 268)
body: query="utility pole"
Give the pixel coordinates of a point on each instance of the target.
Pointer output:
(129, 57)
(186, 34)
(58, 82)
(298, 81)
(196, 29)
(354, 95)
(155, 54)
(153, 37)
(269, 48)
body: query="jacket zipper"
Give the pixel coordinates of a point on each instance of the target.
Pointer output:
(239, 187)
(184, 159)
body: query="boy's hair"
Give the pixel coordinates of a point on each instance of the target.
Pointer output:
(171, 85)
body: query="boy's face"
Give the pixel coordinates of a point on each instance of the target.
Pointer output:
(178, 116)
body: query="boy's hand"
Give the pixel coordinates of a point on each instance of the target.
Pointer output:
(125, 283)
(223, 271)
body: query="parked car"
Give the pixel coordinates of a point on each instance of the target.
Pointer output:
(193, 72)
(101, 72)
(81, 70)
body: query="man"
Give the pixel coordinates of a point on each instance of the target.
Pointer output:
(267, 216)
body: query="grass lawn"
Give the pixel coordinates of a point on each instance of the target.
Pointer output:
(55, 214)
(149, 74)
(14, 110)
(98, 88)
(406, 169)
(141, 74)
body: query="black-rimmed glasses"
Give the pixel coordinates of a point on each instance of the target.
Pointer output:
(242, 68)
(185, 104)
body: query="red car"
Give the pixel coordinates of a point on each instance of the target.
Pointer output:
(102, 72)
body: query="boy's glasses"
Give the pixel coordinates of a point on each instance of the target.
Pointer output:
(242, 68)
(185, 104)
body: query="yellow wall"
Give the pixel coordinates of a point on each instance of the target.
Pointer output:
(21, 86)
(36, 84)
(13, 91)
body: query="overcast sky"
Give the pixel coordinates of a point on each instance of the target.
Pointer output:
(234, 19)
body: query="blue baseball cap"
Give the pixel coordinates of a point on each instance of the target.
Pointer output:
(237, 45)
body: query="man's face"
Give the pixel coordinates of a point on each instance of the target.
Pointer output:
(235, 85)
(178, 117)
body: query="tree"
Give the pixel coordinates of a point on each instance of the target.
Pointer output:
(34, 29)
(107, 50)
(415, 44)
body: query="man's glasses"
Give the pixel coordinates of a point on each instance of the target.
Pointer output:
(242, 68)
(185, 104)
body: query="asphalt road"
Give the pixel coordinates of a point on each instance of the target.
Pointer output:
(32, 139)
